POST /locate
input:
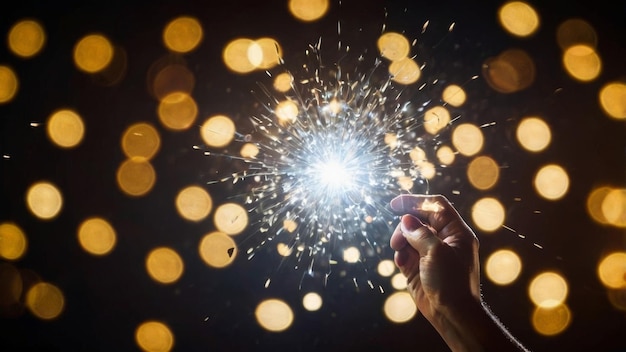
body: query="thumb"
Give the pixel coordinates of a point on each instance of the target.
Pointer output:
(418, 235)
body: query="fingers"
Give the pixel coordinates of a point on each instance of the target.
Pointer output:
(418, 235)
(435, 209)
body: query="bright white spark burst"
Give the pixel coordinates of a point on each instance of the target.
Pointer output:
(332, 169)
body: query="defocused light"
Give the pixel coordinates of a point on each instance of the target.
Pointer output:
(386, 268)
(26, 38)
(178, 111)
(194, 203)
(182, 34)
(65, 128)
(217, 249)
(576, 31)
(445, 155)
(8, 84)
(468, 139)
(550, 321)
(290, 225)
(617, 298)
(351, 255)
(93, 53)
(483, 172)
(154, 336)
(405, 71)
(168, 77)
(613, 100)
(282, 82)
(518, 18)
(427, 170)
(13, 241)
(393, 46)
(249, 151)
(44, 200)
(533, 134)
(399, 307)
(595, 200)
(270, 53)
(614, 207)
(164, 265)
(503, 267)
(96, 236)
(612, 270)
(436, 119)
(551, 182)
(548, 290)
(218, 131)
(283, 249)
(141, 140)
(398, 281)
(312, 301)
(235, 55)
(511, 71)
(274, 315)
(136, 176)
(454, 95)
(582, 62)
(286, 111)
(308, 10)
(231, 218)
(488, 214)
(45, 300)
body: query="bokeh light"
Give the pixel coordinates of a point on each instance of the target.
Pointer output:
(217, 249)
(231, 218)
(141, 140)
(154, 336)
(468, 139)
(194, 203)
(164, 265)
(65, 128)
(576, 31)
(399, 307)
(182, 34)
(178, 111)
(511, 71)
(93, 53)
(44, 200)
(308, 10)
(436, 119)
(8, 84)
(613, 100)
(582, 62)
(405, 71)
(136, 176)
(612, 270)
(548, 289)
(393, 46)
(45, 300)
(26, 38)
(235, 55)
(218, 131)
(488, 214)
(551, 182)
(97, 236)
(483, 172)
(312, 301)
(13, 241)
(454, 95)
(518, 18)
(274, 315)
(614, 207)
(550, 321)
(503, 267)
(533, 134)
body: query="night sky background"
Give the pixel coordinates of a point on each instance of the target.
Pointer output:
(209, 309)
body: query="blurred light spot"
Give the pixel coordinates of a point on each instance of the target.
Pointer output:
(26, 38)
(235, 55)
(96, 236)
(286, 112)
(217, 249)
(283, 249)
(614, 207)
(398, 281)
(511, 71)
(182, 34)
(11, 288)
(417, 155)
(65, 128)
(594, 203)
(308, 10)
(533, 134)
(312, 301)
(550, 321)
(445, 155)
(282, 82)
(154, 336)
(141, 140)
(613, 99)
(351, 255)
(167, 76)
(194, 203)
(249, 151)
(270, 53)
(399, 307)
(393, 46)
(13, 241)
(617, 298)
(548, 290)
(274, 315)
(391, 139)
(93, 53)
(231, 218)
(290, 225)
(518, 18)
(576, 31)
(136, 176)
(44, 200)
(405, 182)
(582, 62)
(436, 119)
(454, 95)
(488, 214)
(177, 111)
(8, 84)
(386, 267)
(218, 131)
(551, 182)
(427, 170)
(612, 270)
(164, 265)
(45, 300)
(503, 267)
(405, 71)
(483, 172)
(468, 139)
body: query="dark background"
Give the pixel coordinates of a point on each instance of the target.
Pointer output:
(209, 309)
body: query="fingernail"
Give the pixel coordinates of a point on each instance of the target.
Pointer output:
(396, 204)
(411, 223)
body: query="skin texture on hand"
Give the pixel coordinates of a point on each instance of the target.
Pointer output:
(438, 253)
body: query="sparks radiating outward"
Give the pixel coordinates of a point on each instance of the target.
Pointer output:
(331, 154)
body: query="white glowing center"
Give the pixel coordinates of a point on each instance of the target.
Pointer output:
(333, 175)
